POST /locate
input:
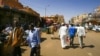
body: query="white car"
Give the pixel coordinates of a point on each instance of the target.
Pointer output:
(96, 28)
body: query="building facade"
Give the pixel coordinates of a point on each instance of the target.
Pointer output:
(94, 17)
(79, 19)
(58, 18)
(12, 9)
(12, 3)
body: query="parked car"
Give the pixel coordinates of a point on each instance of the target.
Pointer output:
(96, 28)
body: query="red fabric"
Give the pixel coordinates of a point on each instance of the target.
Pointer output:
(67, 39)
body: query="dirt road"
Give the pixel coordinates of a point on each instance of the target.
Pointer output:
(52, 47)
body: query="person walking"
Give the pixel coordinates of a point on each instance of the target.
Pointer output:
(86, 27)
(52, 31)
(71, 32)
(33, 40)
(63, 35)
(80, 34)
(15, 39)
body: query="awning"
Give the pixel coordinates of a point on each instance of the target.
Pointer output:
(30, 11)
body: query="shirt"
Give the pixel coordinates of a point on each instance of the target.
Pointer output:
(80, 31)
(63, 30)
(33, 38)
(72, 31)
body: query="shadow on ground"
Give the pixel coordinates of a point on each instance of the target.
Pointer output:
(43, 39)
(55, 38)
(23, 50)
(77, 46)
(90, 46)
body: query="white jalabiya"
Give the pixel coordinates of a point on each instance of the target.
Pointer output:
(63, 35)
(81, 34)
(80, 31)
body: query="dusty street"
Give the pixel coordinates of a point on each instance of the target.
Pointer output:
(52, 47)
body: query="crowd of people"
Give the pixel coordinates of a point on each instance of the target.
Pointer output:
(12, 39)
(67, 34)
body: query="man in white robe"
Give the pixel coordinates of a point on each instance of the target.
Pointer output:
(81, 34)
(63, 35)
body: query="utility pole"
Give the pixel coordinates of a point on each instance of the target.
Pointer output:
(46, 10)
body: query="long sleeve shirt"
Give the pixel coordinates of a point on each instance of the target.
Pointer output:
(33, 38)
(63, 30)
(80, 31)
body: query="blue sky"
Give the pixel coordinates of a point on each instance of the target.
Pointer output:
(68, 8)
